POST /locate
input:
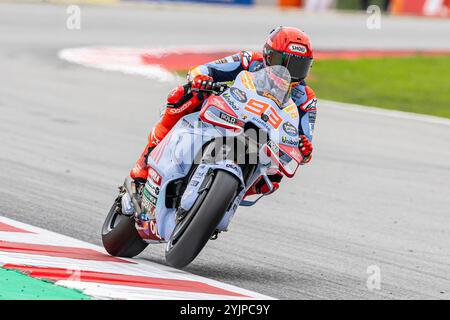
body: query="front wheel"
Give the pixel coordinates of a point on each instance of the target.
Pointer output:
(193, 232)
(119, 235)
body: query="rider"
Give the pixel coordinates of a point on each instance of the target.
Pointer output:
(286, 46)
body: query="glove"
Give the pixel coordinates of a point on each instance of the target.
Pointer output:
(202, 82)
(306, 149)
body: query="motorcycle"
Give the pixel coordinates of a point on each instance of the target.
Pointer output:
(200, 172)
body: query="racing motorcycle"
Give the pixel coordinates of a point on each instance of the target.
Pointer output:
(200, 172)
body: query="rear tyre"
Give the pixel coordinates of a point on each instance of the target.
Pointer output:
(194, 231)
(119, 235)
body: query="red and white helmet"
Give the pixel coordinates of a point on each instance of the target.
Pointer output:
(291, 48)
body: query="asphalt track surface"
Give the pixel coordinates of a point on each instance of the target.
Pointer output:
(377, 192)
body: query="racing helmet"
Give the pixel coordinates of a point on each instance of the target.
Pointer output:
(291, 48)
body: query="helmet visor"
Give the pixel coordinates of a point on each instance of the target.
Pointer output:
(297, 66)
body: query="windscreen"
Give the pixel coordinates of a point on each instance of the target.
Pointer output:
(273, 83)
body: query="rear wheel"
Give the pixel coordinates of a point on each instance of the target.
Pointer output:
(193, 232)
(119, 235)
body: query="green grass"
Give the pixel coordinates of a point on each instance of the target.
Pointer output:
(416, 84)
(17, 286)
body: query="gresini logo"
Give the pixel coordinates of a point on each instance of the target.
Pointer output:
(297, 48)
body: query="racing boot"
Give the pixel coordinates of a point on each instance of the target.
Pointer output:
(139, 173)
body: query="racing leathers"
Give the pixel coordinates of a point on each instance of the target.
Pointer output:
(182, 101)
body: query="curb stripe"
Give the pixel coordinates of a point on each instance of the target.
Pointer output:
(7, 228)
(58, 251)
(58, 274)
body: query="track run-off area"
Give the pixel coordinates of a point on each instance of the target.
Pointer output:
(375, 194)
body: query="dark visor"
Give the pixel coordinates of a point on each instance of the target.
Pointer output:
(297, 66)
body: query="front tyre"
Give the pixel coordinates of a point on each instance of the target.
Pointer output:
(194, 231)
(119, 235)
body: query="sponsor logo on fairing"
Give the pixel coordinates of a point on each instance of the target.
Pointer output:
(261, 122)
(149, 202)
(238, 94)
(290, 129)
(154, 176)
(231, 119)
(232, 166)
(154, 190)
(270, 96)
(227, 97)
(273, 146)
(289, 141)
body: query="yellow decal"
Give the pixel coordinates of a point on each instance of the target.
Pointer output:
(247, 81)
(292, 110)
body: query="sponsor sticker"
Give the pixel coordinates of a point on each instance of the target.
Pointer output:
(292, 110)
(238, 94)
(149, 202)
(194, 183)
(311, 105)
(312, 121)
(230, 119)
(153, 189)
(261, 122)
(221, 61)
(246, 58)
(271, 97)
(232, 166)
(247, 81)
(154, 176)
(297, 48)
(273, 146)
(290, 129)
(289, 141)
(227, 97)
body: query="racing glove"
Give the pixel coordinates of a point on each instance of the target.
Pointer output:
(202, 82)
(306, 149)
